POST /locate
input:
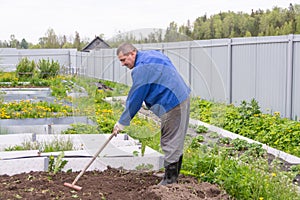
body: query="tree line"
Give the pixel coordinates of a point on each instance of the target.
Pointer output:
(50, 40)
(277, 21)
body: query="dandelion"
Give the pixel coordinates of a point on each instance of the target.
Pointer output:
(261, 198)
(277, 113)
(274, 174)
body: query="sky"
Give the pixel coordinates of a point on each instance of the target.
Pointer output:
(30, 19)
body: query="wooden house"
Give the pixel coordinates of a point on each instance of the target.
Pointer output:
(96, 44)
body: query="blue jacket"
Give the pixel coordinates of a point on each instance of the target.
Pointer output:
(156, 82)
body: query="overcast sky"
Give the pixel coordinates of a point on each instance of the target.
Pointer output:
(30, 19)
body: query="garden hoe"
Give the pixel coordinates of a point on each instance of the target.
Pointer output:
(76, 187)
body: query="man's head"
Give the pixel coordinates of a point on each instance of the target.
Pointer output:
(127, 53)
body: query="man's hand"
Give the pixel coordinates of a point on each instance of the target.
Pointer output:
(117, 128)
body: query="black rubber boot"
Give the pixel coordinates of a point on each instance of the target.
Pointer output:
(179, 164)
(171, 174)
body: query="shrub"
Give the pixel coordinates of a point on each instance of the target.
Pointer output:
(48, 69)
(25, 69)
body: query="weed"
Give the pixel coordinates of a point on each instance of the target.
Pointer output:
(56, 164)
(144, 167)
(201, 129)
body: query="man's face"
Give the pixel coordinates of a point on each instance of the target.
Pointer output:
(127, 60)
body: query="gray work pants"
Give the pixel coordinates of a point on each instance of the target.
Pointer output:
(174, 125)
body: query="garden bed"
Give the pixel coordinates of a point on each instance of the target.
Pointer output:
(110, 184)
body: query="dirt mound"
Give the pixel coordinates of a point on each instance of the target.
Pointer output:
(110, 184)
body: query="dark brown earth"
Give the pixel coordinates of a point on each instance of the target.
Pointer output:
(111, 184)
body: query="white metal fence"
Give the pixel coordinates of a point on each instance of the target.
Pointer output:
(223, 70)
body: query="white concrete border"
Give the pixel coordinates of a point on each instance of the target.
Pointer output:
(280, 154)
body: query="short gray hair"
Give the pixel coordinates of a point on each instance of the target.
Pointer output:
(125, 48)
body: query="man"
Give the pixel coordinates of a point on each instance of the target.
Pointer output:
(156, 82)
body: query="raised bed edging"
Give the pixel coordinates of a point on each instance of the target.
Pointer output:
(277, 153)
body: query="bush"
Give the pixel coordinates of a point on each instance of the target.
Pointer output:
(25, 69)
(48, 69)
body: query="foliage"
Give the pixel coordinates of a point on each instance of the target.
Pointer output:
(35, 81)
(201, 129)
(144, 167)
(60, 85)
(81, 128)
(57, 144)
(7, 76)
(48, 69)
(25, 69)
(248, 121)
(56, 164)
(146, 131)
(243, 177)
(196, 142)
(27, 109)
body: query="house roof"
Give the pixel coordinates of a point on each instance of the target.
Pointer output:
(96, 44)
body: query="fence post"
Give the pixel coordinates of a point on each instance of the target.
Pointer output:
(113, 66)
(94, 58)
(190, 63)
(70, 68)
(229, 80)
(289, 78)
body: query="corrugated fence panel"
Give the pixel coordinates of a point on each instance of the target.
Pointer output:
(219, 68)
(296, 79)
(243, 72)
(259, 72)
(271, 76)
(201, 71)
(98, 67)
(11, 57)
(8, 59)
(90, 69)
(179, 54)
(210, 66)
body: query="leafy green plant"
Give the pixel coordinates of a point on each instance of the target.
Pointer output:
(35, 81)
(201, 129)
(241, 177)
(25, 69)
(48, 69)
(247, 120)
(7, 76)
(56, 164)
(196, 142)
(213, 135)
(239, 144)
(135, 153)
(81, 128)
(224, 140)
(55, 145)
(144, 167)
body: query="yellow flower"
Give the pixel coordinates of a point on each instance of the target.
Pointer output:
(277, 113)
(273, 174)
(261, 198)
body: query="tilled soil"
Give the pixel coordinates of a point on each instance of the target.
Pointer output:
(111, 184)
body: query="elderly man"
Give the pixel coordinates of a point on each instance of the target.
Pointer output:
(156, 82)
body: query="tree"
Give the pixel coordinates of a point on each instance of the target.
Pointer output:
(24, 44)
(13, 43)
(76, 43)
(198, 32)
(172, 33)
(51, 39)
(217, 26)
(186, 30)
